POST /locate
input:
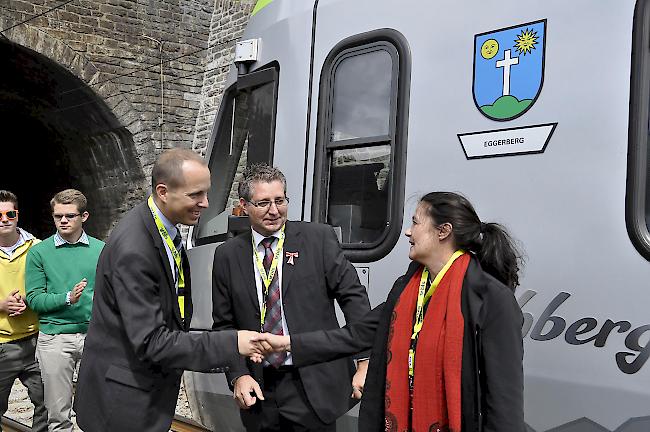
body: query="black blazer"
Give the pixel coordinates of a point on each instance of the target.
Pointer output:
(491, 373)
(137, 345)
(320, 275)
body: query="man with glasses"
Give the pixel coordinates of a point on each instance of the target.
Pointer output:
(283, 277)
(60, 278)
(18, 323)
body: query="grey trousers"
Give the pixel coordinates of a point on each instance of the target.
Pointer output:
(58, 356)
(17, 360)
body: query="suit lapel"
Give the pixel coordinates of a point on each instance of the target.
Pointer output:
(162, 253)
(291, 245)
(246, 270)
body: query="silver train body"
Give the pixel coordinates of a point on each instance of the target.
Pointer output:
(366, 105)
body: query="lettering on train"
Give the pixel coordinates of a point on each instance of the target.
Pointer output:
(502, 142)
(587, 330)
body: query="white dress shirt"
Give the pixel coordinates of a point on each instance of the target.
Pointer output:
(257, 238)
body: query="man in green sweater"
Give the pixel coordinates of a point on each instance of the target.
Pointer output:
(59, 281)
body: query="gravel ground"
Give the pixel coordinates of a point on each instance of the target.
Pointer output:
(22, 410)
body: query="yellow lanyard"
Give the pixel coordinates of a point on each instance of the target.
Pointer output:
(267, 279)
(177, 256)
(423, 299)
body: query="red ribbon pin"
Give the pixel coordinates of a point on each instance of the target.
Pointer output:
(291, 256)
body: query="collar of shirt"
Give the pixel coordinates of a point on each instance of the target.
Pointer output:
(9, 250)
(23, 238)
(60, 241)
(170, 227)
(257, 237)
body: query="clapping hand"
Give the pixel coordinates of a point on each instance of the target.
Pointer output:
(77, 290)
(13, 305)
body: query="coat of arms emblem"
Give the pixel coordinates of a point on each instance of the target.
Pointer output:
(509, 69)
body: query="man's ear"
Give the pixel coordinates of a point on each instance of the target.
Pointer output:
(242, 205)
(445, 230)
(84, 216)
(161, 192)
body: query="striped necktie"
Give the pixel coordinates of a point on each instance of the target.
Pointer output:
(273, 320)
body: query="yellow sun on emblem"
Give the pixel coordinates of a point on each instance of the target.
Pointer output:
(526, 41)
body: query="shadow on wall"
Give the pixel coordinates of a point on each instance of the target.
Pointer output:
(59, 134)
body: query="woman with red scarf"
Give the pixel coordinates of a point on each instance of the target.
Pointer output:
(446, 345)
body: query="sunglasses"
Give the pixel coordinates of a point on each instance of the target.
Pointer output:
(11, 214)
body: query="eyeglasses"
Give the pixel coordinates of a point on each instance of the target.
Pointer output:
(11, 214)
(68, 216)
(266, 204)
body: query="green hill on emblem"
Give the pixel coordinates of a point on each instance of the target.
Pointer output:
(506, 107)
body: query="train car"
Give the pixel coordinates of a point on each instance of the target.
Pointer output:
(536, 111)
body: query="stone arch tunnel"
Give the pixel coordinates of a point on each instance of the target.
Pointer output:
(57, 134)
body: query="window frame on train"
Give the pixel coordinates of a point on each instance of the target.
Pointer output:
(637, 200)
(222, 179)
(397, 47)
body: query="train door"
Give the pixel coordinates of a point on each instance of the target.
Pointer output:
(244, 135)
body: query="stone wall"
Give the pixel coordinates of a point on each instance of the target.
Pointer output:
(113, 47)
(119, 41)
(228, 23)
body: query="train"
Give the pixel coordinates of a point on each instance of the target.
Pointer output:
(538, 112)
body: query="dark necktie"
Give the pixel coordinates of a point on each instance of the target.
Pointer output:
(178, 244)
(178, 241)
(273, 319)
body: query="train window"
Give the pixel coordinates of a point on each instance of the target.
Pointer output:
(358, 193)
(244, 133)
(362, 96)
(361, 144)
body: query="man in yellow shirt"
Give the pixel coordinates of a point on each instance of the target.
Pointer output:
(18, 323)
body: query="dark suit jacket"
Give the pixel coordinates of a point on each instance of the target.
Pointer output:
(320, 275)
(491, 377)
(137, 345)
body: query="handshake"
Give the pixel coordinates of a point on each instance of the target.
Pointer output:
(256, 345)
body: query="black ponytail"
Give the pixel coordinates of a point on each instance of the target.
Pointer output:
(499, 255)
(490, 242)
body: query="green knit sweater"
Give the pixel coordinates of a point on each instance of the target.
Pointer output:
(53, 271)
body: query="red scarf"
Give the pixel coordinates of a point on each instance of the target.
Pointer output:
(436, 398)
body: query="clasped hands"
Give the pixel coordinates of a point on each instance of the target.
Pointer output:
(14, 304)
(256, 345)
